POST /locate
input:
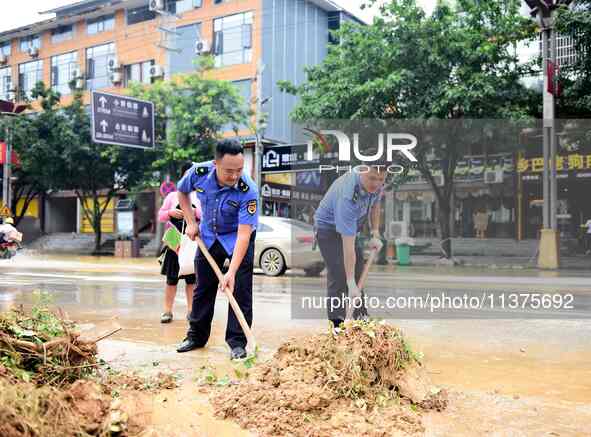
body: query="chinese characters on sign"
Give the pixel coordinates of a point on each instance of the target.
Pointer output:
(563, 163)
(122, 120)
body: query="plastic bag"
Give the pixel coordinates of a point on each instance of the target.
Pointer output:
(187, 252)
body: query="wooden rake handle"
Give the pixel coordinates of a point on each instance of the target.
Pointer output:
(231, 299)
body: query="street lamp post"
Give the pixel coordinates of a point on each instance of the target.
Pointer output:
(549, 251)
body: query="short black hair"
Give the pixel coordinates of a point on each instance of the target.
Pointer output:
(186, 166)
(228, 147)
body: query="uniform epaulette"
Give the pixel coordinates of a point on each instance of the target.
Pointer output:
(243, 186)
(202, 171)
(356, 193)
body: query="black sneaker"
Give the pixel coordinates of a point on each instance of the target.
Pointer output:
(238, 353)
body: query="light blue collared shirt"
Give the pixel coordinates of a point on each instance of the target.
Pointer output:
(345, 206)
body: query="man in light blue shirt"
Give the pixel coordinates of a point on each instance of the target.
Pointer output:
(350, 201)
(229, 204)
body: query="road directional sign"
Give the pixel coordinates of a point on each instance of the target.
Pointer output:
(122, 120)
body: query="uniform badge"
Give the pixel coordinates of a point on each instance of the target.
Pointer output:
(199, 190)
(243, 186)
(252, 207)
(201, 171)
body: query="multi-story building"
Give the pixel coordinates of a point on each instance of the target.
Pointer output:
(106, 44)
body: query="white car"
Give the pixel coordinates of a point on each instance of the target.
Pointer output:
(283, 243)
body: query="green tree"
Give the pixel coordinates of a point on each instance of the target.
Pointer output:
(458, 63)
(37, 140)
(57, 153)
(575, 79)
(94, 171)
(192, 110)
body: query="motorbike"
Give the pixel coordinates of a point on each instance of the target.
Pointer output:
(10, 240)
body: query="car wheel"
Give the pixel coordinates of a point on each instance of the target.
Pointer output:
(314, 271)
(272, 262)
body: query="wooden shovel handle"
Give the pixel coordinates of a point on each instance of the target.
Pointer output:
(233, 303)
(370, 261)
(363, 278)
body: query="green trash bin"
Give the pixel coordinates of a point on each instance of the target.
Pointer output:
(403, 254)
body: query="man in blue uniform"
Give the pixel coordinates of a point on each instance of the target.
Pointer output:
(229, 203)
(345, 208)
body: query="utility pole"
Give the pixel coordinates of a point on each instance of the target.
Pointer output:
(549, 250)
(258, 151)
(167, 27)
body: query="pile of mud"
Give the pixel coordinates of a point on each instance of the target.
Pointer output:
(364, 381)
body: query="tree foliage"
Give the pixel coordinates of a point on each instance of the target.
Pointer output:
(57, 153)
(192, 110)
(458, 63)
(575, 21)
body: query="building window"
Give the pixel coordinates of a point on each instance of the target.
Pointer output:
(29, 74)
(233, 39)
(183, 60)
(100, 24)
(186, 5)
(5, 48)
(139, 72)
(29, 41)
(180, 6)
(137, 15)
(62, 33)
(98, 71)
(5, 83)
(63, 71)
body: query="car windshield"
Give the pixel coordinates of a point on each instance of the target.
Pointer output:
(298, 224)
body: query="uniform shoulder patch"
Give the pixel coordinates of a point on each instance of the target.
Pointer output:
(201, 171)
(251, 207)
(243, 186)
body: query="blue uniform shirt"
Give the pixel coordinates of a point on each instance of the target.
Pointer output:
(223, 208)
(345, 205)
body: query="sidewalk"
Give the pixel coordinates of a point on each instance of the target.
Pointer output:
(579, 267)
(572, 263)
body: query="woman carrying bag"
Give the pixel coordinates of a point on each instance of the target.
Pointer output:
(171, 214)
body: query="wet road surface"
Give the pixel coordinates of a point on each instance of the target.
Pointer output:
(536, 370)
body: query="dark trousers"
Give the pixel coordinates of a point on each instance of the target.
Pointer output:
(205, 293)
(331, 249)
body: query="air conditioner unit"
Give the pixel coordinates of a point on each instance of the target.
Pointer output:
(3, 59)
(202, 47)
(156, 5)
(439, 180)
(116, 77)
(397, 230)
(76, 73)
(113, 64)
(493, 177)
(33, 52)
(156, 71)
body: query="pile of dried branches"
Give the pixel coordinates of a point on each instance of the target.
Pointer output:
(42, 347)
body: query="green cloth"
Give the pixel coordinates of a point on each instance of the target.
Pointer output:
(172, 238)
